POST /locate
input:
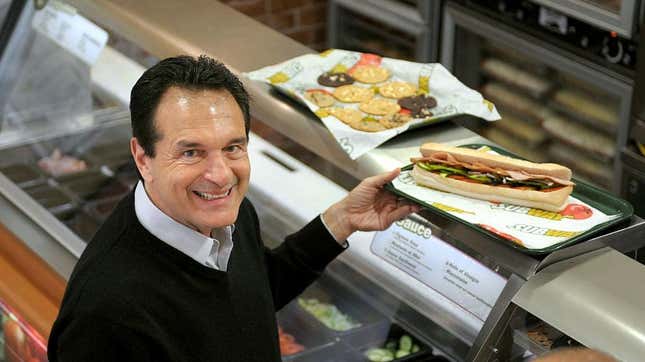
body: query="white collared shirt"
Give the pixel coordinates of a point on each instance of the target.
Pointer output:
(212, 252)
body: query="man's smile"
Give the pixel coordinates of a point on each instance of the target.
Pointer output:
(212, 196)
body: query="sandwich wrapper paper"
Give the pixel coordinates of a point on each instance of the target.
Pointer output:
(299, 74)
(525, 226)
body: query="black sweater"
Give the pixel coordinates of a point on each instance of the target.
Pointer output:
(132, 297)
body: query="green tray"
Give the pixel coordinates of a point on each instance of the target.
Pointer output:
(592, 195)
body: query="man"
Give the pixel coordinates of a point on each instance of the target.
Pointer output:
(178, 272)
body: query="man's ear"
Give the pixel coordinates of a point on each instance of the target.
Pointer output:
(141, 159)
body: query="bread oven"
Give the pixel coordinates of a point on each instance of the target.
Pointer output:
(563, 94)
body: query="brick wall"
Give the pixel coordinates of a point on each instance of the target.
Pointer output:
(302, 20)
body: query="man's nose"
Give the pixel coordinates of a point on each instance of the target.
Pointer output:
(219, 171)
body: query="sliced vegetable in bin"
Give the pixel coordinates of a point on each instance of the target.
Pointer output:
(328, 314)
(393, 349)
(288, 343)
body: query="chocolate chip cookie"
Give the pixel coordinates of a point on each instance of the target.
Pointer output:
(319, 97)
(370, 73)
(397, 89)
(353, 94)
(335, 79)
(379, 107)
(395, 120)
(420, 106)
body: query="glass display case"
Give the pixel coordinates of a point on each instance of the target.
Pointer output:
(18, 340)
(333, 323)
(370, 304)
(78, 177)
(60, 146)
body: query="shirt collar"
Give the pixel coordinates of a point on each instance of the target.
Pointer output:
(175, 234)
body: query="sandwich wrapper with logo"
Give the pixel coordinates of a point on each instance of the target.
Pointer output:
(532, 229)
(295, 76)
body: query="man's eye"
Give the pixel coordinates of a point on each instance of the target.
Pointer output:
(233, 148)
(190, 153)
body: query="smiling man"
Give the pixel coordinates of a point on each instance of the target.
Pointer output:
(199, 171)
(179, 272)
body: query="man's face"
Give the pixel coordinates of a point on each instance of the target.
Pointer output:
(200, 171)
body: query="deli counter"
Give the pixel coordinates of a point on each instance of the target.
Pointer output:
(450, 293)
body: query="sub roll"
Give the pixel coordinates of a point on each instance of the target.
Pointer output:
(492, 177)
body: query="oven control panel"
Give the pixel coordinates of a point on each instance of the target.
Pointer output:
(593, 42)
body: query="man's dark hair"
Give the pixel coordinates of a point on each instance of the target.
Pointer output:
(203, 73)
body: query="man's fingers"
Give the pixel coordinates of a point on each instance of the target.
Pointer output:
(383, 178)
(402, 211)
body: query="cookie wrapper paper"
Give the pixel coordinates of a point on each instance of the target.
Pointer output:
(299, 74)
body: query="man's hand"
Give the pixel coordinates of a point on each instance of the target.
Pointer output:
(367, 207)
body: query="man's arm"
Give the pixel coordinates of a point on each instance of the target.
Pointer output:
(303, 256)
(299, 261)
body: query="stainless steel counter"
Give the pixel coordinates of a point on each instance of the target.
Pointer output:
(584, 296)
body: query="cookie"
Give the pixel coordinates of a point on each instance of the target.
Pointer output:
(397, 89)
(353, 94)
(422, 113)
(346, 115)
(379, 107)
(416, 102)
(420, 106)
(370, 73)
(395, 120)
(368, 124)
(319, 97)
(335, 79)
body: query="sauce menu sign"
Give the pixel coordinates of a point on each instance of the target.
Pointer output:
(411, 247)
